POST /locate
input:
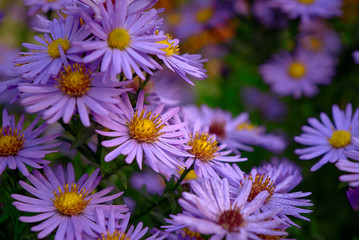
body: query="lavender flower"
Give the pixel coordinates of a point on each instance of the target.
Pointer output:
(209, 210)
(297, 74)
(142, 130)
(65, 204)
(122, 41)
(42, 62)
(208, 155)
(351, 167)
(328, 138)
(308, 9)
(353, 197)
(278, 179)
(19, 147)
(76, 89)
(181, 64)
(111, 229)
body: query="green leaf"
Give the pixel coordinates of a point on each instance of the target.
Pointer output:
(83, 135)
(122, 178)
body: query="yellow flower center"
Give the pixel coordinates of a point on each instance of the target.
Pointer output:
(204, 148)
(11, 142)
(191, 175)
(204, 15)
(268, 237)
(231, 219)
(315, 44)
(171, 48)
(119, 38)
(116, 235)
(246, 126)
(70, 201)
(75, 81)
(145, 128)
(260, 184)
(53, 48)
(297, 70)
(340, 139)
(191, 234)
(306, 1)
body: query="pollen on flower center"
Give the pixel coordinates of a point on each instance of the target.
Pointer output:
(145, 128)
(268, 237)
(191, 234)
(75, 81)
(191, 175)
(217, 128)
(245, 126)
(171, 47)
(70, 201)
(306, 1)
(119, 38)
(260, 184)
(204, 15)
(231, 219)
(315, 44)
(297, 70)
(116, 235)
(204, 148)
(53, 48)
(340, 139)
(11, 142)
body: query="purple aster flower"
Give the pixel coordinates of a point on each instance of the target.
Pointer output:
(184, 64)
(317, 37)
(76, 89)
(208, 154)
(297, 74)
(308, 9)
(236, 133)
(19, 147)
(353, 197)
(278, 179)
(147, 130)
(123, 43)
(351, 167)
(111, 229)
(210, 210)
(328, 139)
(45, 60)
(151, 180)
(65, 204)
(45, 5)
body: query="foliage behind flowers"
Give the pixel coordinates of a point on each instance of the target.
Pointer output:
(163, 119)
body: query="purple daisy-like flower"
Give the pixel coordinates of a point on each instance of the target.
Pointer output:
(278, 179)
(353, 197)
(45, 5)
(76, 89)
(210, 210)
(64, 204)
(181, 64)
(111, 229)
(308, 9)
(19, 147)
(123, 43)
(45, 60)
(297, 74)
(328, 139)
(351, 167)
(207, 153)
(236, 133)
(147, 130)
